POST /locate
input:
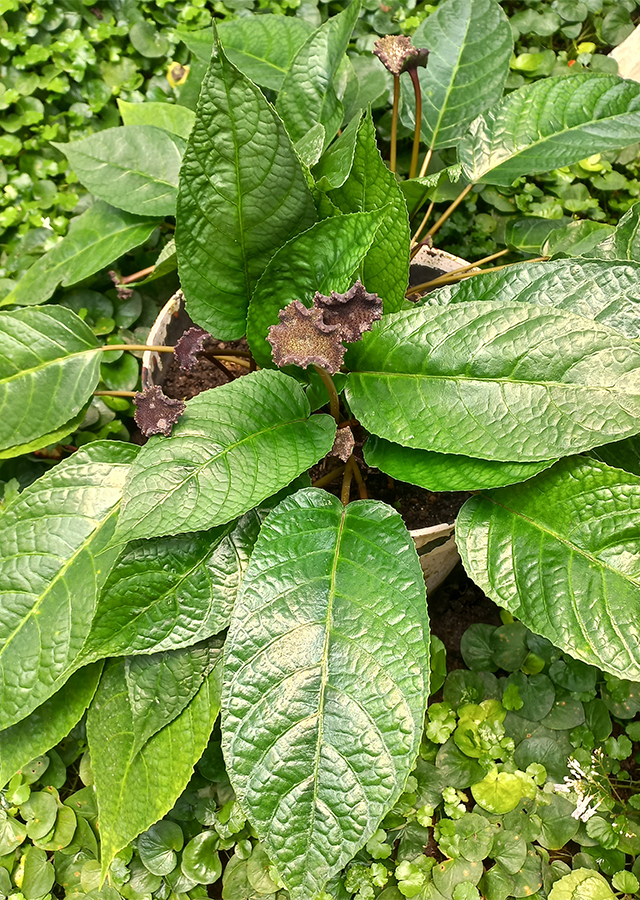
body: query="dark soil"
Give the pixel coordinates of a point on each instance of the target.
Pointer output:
(205, 374)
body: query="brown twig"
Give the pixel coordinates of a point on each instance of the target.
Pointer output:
(136, 275)
(114, 393)
(445, 215)
(416, 135)
(220, 365)
(334, 401)
(464, 274)
(426, 161)
(426, 218)
(362, 488)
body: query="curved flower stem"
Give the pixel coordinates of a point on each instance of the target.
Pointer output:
(346, 481)
(416, 135)
(464, 273)
(362, 488)
(153, 348)
(114, 393)
(394, 123)
(425, 219)
(426, 161)
(329, 477)
(445, 215)
(334, 402)
(128, 279)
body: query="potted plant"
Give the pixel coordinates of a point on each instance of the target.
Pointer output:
(144, 556)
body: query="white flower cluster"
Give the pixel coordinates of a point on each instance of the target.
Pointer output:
(584, 785)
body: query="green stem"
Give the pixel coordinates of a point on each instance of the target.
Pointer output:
(394, 122)
(416, 135)
(334, 402)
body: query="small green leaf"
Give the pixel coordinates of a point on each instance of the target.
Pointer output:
(576, 238)
(38, 874)
(157, 847)
(324, 258)
(581, 884)
(551, 123)
(242, 195)
(498, 792)
(335, 164)
(135, 789)
(55, 534)
(625, 882)
(332, 579)
(133, 167)
(558, 823)
(307, 94)
(168, 116)
(200, 861)
(624, 243)
(228, 452)
(94, 240)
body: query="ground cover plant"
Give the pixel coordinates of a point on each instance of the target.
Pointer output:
(522, 385)
(525, 785)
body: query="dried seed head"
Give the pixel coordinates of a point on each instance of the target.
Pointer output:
(397, 53)
(353, 312)
(189, 344)
(343, 444)
(155, 412)
(303, 339)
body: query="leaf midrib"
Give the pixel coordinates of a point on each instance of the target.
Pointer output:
(47, 362)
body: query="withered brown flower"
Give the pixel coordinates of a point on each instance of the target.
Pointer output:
(353, 312)
(397, 53)
(188, 345)
(155, 412)
(303, 339)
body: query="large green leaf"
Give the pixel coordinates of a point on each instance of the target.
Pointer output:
(470, 44)
(371, 186)
(325, 686)
(260, 46)
(133, 167)
(242, 195)
(562, 554)
(232, 448)
(134, 790)
(49, 367)
(170, 592)
(307, 95)
(325, 258)
(497, 380)
(334, 166)
(53, 563)
(551, 123)
(161, 685)
(444, 471)
(94, 240)
(48, 724)
(607, 292)
(624, 243)
(51, 437)
(169, 116)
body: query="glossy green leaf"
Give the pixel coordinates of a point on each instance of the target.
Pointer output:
(551, 123)
(624, 243)
(326, 665)
(470, 44)
(48, 370)
(161, 685)
(53, 538)
(51, 437)
(445, 471)
(325, 258)
(582, 884)
(334, 166)
(464, 378)
(168, 116)
(260, 46)
(200, 861)
(233, 448)
(132, 167)
(307, 94)
(136, 789)
(577, 238)
(309, 146)
(47, 725)
(38, 874)
(170, 592)
(562, 554)
(529, 233)
(158, 846)
(94, 240)
(607, 292)
(371, 186)
(621, 454)
(242, 195)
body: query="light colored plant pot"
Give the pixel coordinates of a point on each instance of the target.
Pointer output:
(436, 545)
